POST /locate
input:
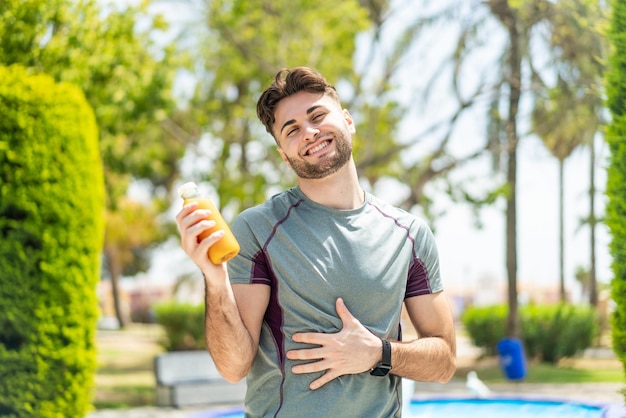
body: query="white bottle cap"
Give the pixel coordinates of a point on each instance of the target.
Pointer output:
(186, 188)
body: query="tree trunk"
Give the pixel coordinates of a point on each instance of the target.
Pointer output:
(115, 269)
(512, 325)
(593, 287)
(515, 63)
(561, 231)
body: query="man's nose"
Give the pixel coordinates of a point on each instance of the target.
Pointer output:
(310, 132)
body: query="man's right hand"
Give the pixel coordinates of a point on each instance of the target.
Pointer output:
(192, 222)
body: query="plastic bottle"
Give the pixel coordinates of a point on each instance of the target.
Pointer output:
(227, 247)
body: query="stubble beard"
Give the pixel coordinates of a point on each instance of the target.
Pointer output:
(328, 166)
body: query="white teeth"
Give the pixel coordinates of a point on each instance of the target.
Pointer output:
(319, 147)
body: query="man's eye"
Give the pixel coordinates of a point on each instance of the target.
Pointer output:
(291, 131)
(318, 117)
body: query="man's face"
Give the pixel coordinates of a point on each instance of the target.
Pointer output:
(314, 134)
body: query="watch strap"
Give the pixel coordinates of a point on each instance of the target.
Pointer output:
(384, 366)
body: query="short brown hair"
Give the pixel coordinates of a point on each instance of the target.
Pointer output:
(289, 82)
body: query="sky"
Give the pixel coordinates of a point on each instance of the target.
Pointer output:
(468, 254)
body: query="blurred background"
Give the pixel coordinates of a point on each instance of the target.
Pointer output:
(487, 118)
(428, 83)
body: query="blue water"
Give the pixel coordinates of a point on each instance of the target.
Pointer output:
(492, 408)
(475, 408)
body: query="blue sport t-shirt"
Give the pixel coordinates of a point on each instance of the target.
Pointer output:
(373, 257)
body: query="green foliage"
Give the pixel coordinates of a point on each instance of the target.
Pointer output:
(183, 325)
(111, 54)
(51, 233)
(549, 333)
(616, 174)
(245, 44)
(485, 326)
(126, 78)
(554, 332)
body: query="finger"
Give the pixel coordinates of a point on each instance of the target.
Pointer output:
(325, 378)
(210, 240)
(190, 237)
(185, 220)
(314, 338)
(201, 226)
(186, 210)
(313, 367)
(199, 253)
(195, 217)
(305, 354)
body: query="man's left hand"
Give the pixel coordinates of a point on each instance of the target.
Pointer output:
(352, 350)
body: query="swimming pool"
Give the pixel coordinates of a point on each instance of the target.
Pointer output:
(483, 408)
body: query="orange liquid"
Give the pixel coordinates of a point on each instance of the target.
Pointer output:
(227, 247)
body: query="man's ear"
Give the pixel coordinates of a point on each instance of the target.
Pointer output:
(283, 156)
(348, 118)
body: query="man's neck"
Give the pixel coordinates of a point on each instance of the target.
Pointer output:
(340, 190)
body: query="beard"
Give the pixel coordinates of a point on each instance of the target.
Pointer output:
(328, 165)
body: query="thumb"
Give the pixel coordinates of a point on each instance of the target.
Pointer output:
(343, 312)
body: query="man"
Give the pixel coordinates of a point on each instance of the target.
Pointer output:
(310, 309)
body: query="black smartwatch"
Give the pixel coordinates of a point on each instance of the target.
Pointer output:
(383, 367)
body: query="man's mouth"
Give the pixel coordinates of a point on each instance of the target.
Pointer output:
(318, 147)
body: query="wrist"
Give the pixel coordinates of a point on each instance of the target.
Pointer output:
(215, 275)
(384, 365)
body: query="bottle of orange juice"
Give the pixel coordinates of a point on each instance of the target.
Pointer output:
(227, 247)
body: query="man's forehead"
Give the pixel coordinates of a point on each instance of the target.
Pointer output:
(300, 104)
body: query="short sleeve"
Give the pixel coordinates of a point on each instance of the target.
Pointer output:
(250, 265)
(424, 275)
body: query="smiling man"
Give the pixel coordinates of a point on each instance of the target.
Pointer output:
(330, 151)
(310, 310)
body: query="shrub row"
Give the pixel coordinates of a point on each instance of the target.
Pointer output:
(183, 325)
(549, 333)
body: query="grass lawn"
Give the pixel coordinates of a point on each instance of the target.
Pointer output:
(568, 371)
(125, 376)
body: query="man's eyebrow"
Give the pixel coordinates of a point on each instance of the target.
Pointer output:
(289, 122)
(292, 121)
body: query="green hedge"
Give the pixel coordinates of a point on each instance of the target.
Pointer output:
(485, 326)
(183, 325)
(51, 233)
(616, 175)
(549, 333)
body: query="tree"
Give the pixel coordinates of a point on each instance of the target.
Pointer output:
(563, 123)
(244, 167)
(123, 250)
(513, 32)
(571, 113)
(243, 45)
(566, 21)
(242, 164)
(616, 173)
(583, 277)
(126, 78)
(51, 233)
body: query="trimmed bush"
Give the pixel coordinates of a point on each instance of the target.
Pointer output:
(554, 332)
(485, 326)
(549, 333)
(616, 175)
(183, 325)
(51, 233)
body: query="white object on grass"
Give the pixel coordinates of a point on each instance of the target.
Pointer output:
(476, 386)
